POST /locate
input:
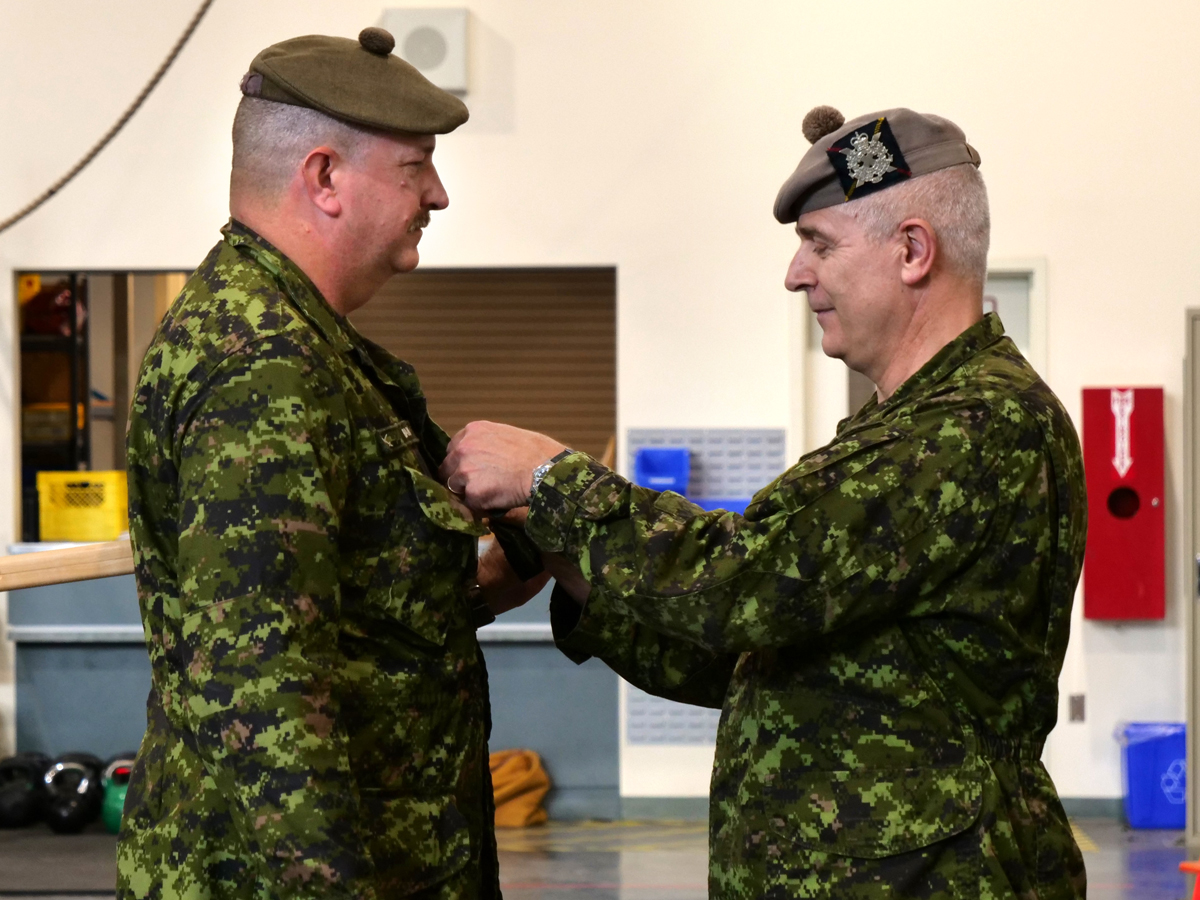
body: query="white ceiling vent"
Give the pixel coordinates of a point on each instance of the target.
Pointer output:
(433, 40)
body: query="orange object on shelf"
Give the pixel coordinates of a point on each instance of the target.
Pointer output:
(519, 783)
(28, 287)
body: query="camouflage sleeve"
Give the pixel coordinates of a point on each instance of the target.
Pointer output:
(660, 665)
(842, 539)
(261, 484)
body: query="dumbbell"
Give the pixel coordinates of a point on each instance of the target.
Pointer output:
(22, 791)
(116, 786)
(75, 792)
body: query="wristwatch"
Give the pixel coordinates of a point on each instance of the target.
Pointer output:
(540, 472)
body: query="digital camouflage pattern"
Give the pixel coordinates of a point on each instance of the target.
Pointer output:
(318, 717)
(883, 631)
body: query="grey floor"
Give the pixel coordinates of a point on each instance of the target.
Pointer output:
(597, 861)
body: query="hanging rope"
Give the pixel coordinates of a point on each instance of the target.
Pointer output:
(112, 132)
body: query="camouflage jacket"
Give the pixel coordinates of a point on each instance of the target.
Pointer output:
(317, 722)
(883, 631)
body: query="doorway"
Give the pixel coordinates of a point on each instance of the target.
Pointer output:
(534, 348)
(82, 338)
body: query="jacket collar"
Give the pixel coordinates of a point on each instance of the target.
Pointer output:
(950, 359)
(310, 303)
(944, 364)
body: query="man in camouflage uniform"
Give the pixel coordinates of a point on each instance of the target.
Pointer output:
(884, 627)
(319, 712)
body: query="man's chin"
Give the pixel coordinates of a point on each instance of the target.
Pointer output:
(407, 261)
(832, 348)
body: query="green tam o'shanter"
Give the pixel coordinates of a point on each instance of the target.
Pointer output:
(359, 82)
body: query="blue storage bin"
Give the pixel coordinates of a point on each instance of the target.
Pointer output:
(663, 468)
(733, 504)
(1154, 771)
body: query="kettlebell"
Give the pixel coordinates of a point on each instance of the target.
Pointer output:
(116, 786)
(22, 791)
(73, 783)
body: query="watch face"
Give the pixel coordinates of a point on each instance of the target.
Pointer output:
(538, 474)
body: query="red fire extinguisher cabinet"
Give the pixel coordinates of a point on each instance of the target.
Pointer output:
(1124, 570)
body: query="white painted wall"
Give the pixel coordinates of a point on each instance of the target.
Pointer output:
(652, 136)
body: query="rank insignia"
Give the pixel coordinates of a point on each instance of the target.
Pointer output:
(868, 159)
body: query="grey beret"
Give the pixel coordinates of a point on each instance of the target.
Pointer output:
(360, 82)
(866, 155)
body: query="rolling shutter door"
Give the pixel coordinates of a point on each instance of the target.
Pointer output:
(534, 348)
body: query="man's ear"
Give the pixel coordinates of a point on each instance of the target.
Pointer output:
(318, 175)
(919, 249)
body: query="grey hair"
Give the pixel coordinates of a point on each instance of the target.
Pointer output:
(953, 200)
(270, 140)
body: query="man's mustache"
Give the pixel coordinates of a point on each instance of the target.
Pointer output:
(421, 221)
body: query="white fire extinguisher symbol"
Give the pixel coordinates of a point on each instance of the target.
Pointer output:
(1122, 410)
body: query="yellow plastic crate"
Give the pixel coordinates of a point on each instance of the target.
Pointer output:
(82, 506)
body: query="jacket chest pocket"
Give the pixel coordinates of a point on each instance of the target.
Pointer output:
(817, 473)
(383, 456)
(428, 562)
(396, 446)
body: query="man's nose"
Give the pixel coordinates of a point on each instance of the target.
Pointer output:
(435, 195)
(799, 275)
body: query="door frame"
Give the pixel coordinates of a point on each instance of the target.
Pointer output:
(1191, 563)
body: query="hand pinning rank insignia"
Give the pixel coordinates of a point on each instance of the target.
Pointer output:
(868, 159)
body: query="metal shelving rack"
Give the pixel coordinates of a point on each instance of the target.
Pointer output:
(74, 453)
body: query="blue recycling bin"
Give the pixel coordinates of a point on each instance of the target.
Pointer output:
(1154, 771)
(663, 468)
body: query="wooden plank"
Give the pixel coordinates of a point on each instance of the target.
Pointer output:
(100, 560)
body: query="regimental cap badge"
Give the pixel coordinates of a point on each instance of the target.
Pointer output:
(868, 159)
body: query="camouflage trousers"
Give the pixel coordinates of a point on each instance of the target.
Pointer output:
(1020, 848)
